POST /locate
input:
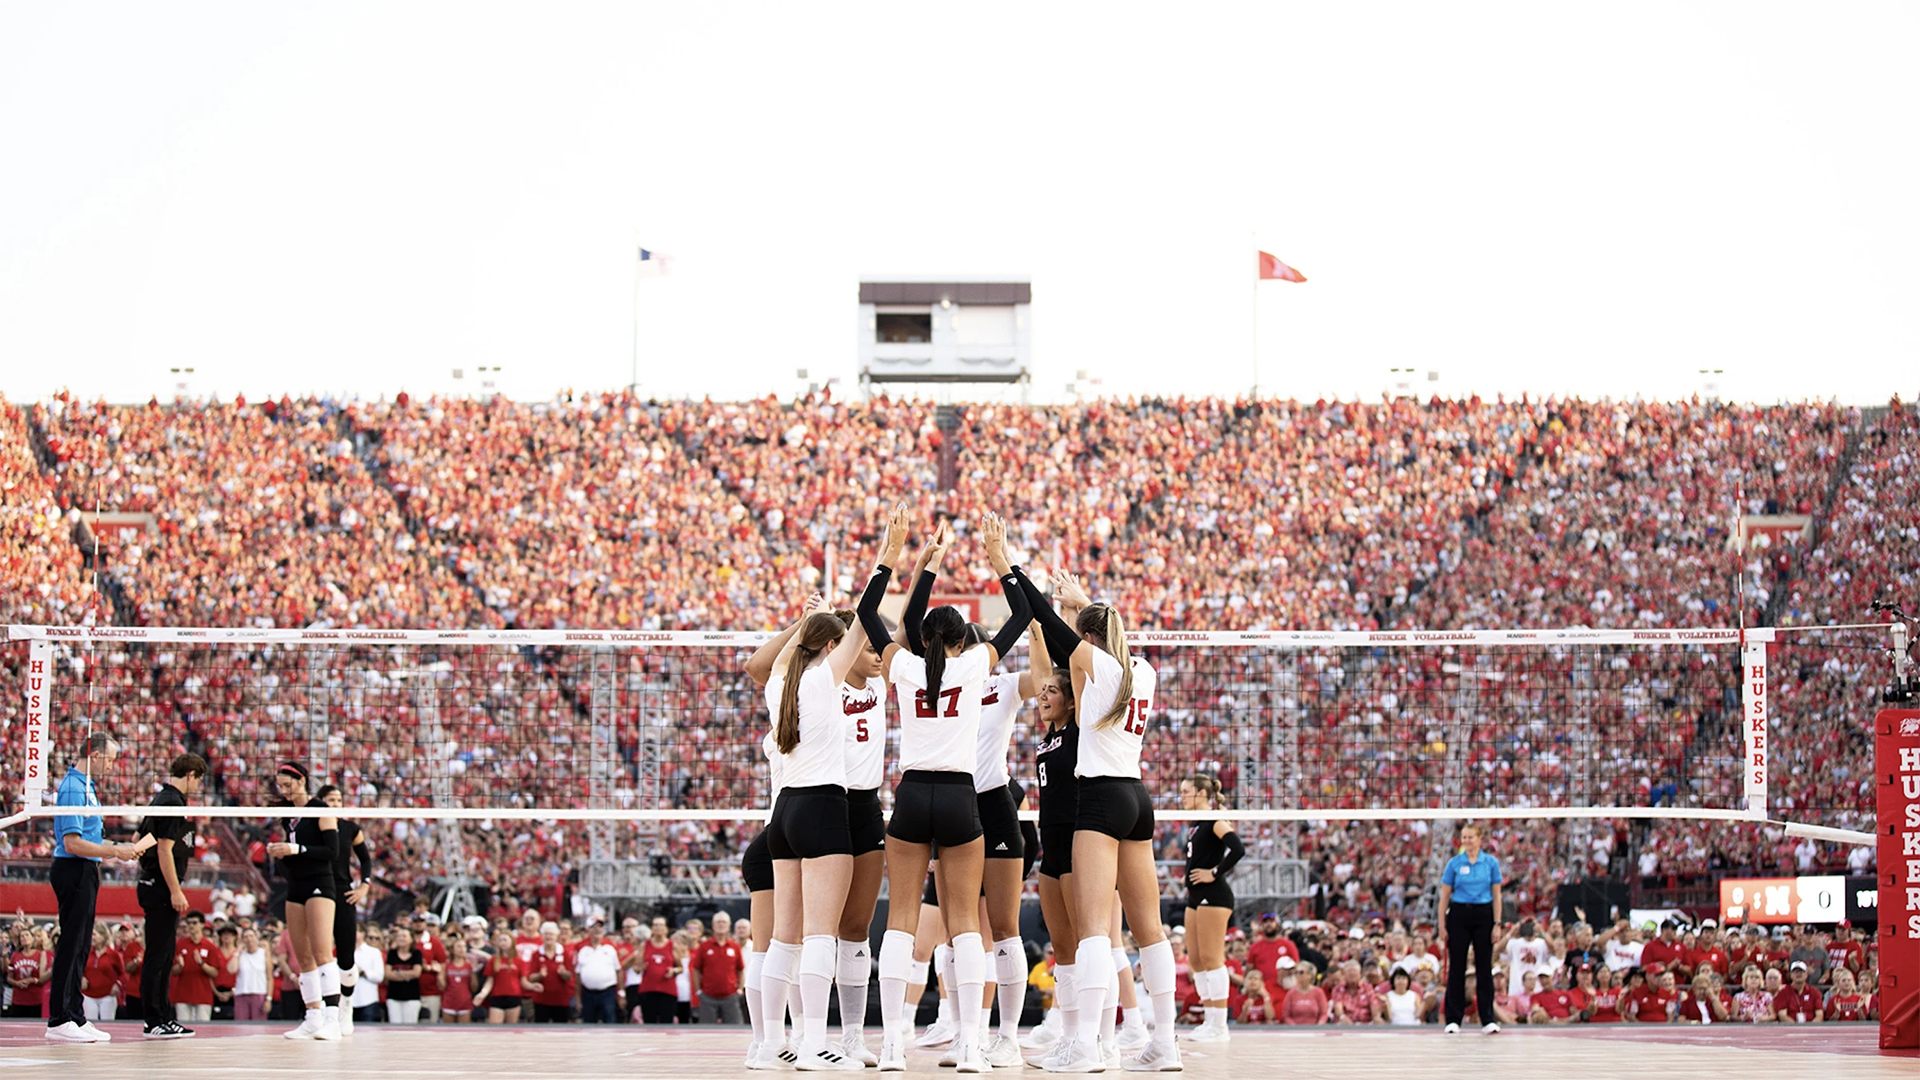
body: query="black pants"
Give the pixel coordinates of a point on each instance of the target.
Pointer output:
(552, 1014)
(597, 1006)
(1469, 925)
(658, 1008)
(76, 886)
(156, 972)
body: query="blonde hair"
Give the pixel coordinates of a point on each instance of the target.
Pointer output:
(1103, 621)
(819, 633)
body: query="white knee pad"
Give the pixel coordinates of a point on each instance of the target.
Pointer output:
(1120, 962)
(1009, 962)
(917, 971)
(756, 963)
(817, 956)
(1093, 965)
(1156, 967)
(896, 957)
(969, 960)
(855, 967)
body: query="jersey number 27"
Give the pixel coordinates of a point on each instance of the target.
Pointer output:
(925, 711)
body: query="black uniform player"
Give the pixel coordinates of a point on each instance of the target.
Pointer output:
(352, 847)
(161, 898)
(1054, 759)
(1212, 849)
(306, 858)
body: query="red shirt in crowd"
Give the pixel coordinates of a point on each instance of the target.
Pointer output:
(555, 975)
(1845, 954)
(526, 946)
(1606, 1005)
(1714, 955)
(1663, 952)
(432, 951)
(505, 971)
(130, 956)
(1801, 1004)
(103, 974)
(1560, 1004)
(1848, 1007)
(29, 965)
(719, 962)
(457, 995)
(191, 984)
(1264, 953)
(656, 970)
(1650, 1004)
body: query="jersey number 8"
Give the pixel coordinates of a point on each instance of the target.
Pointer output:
(925, 712)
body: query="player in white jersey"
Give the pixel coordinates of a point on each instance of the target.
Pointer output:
(808, 837)
(863, 698)
(1113, 826)
(940, 687)
(1006, 854)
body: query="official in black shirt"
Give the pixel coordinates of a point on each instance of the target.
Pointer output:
(161, 897)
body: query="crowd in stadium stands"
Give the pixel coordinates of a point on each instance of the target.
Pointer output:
(1367, 969)
(606, 510)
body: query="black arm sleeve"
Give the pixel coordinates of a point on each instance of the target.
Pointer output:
(1061, 639)
(917, 611)
(330, 844)
(1235, 849)
(1019, 614)
(366, 861)
(869, 609)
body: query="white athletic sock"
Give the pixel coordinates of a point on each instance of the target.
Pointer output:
(310, 988)
(896, 964)
(854, 972)
(1216, 1017)
(776, 983)
(818, 954)
(1066, 998)
(1110, 1008)
(756, 1006)
(950, 983)
(970, 972)
(330, 978)
(1010, 976)
(1156, 971)
(1093, 965)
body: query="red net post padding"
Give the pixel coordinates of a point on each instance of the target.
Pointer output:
(1897, 776)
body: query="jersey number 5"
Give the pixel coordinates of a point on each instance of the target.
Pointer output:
(925, 712)
(1137, 717)
(860, 730)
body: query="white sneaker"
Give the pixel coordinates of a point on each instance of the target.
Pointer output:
(826, 1059)
(952, 1057)
(1157, 1057)
(1133, 1035)
(1003, 1053)
(854, 1046)
(1453, 1029)
(1044, 1036)
(938, 1033)
(68, 1032)
(1109, 1053)
(94, 1034)
(346, 1021)
(308, 1026)
(1492, 1028)
(767, 1058)
(893, 1052)
(753, 1054)
(969, 1059)
(1074, 1057)
(1038, 1059)
(1206, 1034)
(329, 1029)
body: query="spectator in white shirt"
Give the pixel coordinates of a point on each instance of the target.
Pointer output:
(1525, 951)
(1623, 948)
(598, 964)
(371, 961)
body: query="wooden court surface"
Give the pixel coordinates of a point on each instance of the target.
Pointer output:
(1733, 1052)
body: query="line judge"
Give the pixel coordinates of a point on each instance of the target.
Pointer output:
(78, 846)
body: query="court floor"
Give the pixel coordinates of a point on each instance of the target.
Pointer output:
(1733, 1052)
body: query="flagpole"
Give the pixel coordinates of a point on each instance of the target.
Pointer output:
(633, 386)
(1255, 237)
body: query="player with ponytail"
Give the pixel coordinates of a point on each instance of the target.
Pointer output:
(1212, 850)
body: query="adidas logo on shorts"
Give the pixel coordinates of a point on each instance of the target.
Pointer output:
(1002, 846)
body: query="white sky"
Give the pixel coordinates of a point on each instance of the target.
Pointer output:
(1597, 199)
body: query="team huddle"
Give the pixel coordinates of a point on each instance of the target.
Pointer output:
(814, 872)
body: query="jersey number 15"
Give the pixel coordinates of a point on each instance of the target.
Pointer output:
(1137, 716)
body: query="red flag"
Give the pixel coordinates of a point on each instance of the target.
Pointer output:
(1272, 269)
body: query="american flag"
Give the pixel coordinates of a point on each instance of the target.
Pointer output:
(652, 263)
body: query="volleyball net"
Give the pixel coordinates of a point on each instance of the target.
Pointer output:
(651, 740)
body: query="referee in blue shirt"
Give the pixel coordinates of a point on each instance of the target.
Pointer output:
(78, 847)
(1469, 908)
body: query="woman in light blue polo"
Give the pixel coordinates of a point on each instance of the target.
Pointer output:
(1469, 908)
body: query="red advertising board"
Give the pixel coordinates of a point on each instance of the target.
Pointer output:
(1897, 784)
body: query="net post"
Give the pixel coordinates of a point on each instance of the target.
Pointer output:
(1756, 750)
(38, 740)
(1897, 830)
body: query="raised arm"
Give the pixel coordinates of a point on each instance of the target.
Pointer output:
(1019, 614)
(760, 664)
(1062, 640)
(869, 609)
(1039, 661)
(925, 572)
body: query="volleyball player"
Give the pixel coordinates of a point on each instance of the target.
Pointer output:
(1054, 757)
(353, 846)
(1005, 846)
(808, 836)
(1113, 826)
(306, 857)
(1212, 849)
(934, 802)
